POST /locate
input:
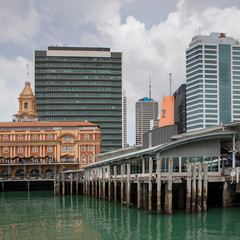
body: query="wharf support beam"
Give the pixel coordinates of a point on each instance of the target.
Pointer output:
(150, 185)
(115, 183)
(159, 166)
(188, 197)
(205, 187)
(194, 185)
(168, 189)
(128, 186)
(199, 188)
(122, 185)
(139, 195)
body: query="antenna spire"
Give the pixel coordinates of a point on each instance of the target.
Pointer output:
(27, 73)
(150, 93)
(170, 80)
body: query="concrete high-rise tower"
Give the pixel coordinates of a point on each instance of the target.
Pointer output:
(213, 81)
(146, 110)
(78, 84)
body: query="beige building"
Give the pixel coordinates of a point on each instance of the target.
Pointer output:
(29, 147)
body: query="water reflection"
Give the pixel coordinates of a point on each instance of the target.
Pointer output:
(40, 215)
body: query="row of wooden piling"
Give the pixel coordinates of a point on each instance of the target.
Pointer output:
(196, 186)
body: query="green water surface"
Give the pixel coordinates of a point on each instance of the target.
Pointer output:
(41, 215)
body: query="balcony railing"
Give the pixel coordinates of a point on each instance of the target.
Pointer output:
(39, 161)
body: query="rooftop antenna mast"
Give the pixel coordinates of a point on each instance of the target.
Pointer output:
(27, 73)
(150, 87)
(170, 80)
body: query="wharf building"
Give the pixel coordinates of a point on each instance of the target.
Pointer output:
(212, 81)
(31, 148)
(78, 84)
(146, 110)
(191, 171)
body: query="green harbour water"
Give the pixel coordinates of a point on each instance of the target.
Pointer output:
(41, 215)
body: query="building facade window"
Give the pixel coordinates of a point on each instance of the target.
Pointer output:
(35, 138)
(83, 148)
(5, 149)
(86, 137)
(20, 138)
(35, 149)
(50, 149)
(90, 159)
(20, 149)
(90, 148)
(67, 138)
(25, 105)
(83, 159)
(63, 148)
(49, 137)
(5, 138)
(68, 148)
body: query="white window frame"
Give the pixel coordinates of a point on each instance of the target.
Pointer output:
(67, 148)
(83, 159)
(50, 148)
(5, 149)
(20, 149)
(35, 149)
(90, 148)
(83, 148)
(67, 138)
(20, 138)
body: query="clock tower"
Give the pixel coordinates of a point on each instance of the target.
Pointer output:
(27, 106)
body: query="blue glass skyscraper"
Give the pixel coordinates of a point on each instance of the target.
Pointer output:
(212, 81)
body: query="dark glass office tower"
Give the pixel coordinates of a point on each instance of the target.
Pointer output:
(180, 108)
(81, 84)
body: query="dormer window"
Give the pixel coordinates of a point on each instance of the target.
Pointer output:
(25, 105)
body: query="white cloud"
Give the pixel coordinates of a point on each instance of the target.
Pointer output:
(156, 51)
(13, 74)
(161, 49)
(16, 26)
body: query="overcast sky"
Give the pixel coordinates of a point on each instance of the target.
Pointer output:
(152, 35)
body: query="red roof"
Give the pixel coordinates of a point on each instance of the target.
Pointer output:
(46, 124)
